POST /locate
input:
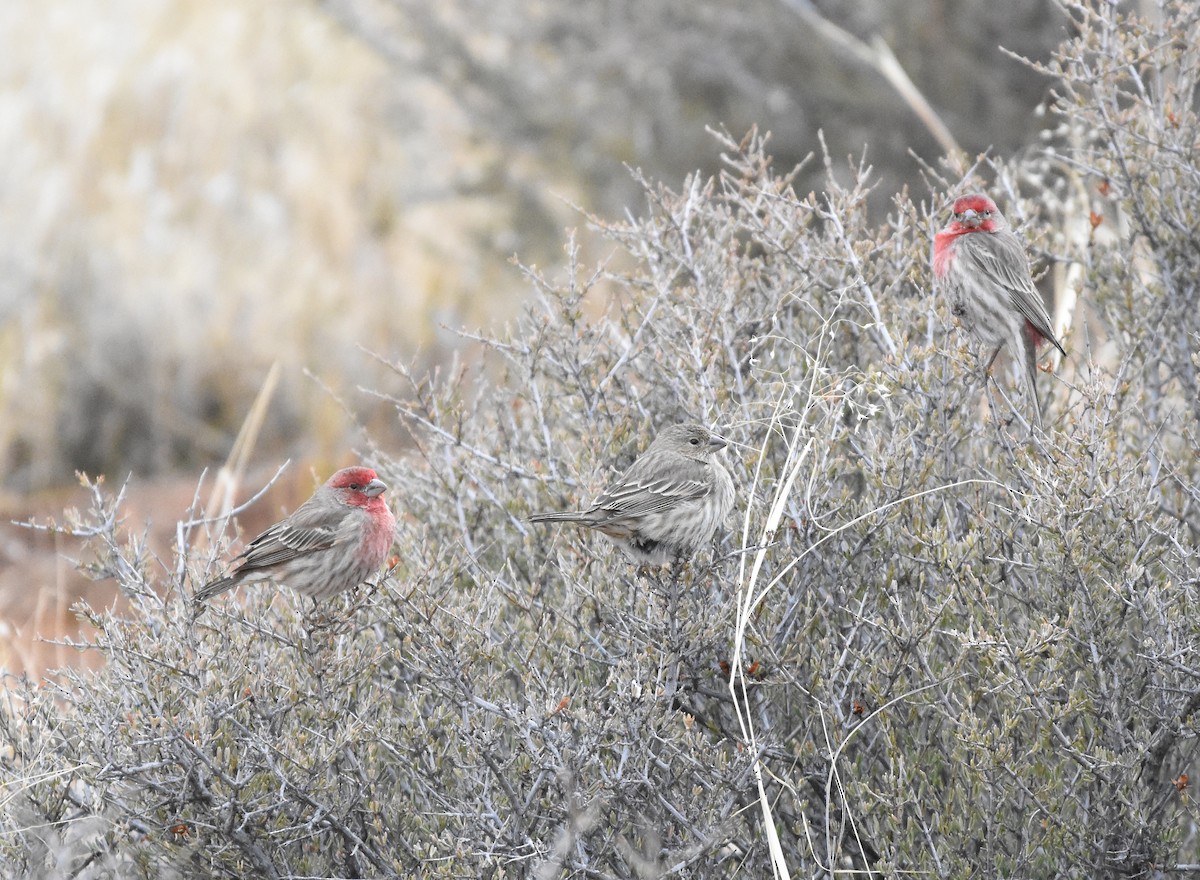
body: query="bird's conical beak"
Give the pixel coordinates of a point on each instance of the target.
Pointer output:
(716, 442)
(373, 488)
(970, 218)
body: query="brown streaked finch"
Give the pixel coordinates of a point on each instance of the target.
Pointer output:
(668, 504)
(982, 267)
(331, 543)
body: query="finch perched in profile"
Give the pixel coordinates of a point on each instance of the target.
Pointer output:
(981, 265)
(668, 504)
(332, 542)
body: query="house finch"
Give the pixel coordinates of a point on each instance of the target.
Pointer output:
(982, 266)
(668, 504)
(332, 542)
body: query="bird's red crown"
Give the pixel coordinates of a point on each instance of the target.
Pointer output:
(353, 478)
(358, 487)
(974, 212)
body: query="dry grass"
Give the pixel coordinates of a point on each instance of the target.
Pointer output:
(194, 191)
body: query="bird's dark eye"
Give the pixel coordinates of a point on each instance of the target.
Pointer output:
(695, 441)
(355, 486)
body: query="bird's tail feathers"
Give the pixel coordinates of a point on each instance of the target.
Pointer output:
(1030, 370)
(214, 588)
(574, 516)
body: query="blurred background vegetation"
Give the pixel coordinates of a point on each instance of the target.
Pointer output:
(193, 191)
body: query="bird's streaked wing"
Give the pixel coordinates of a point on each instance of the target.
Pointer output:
(640, 497)
(1002, 258)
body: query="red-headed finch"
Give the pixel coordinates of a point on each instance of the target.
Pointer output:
(668, 504)
(981, 265)
(331, 543)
